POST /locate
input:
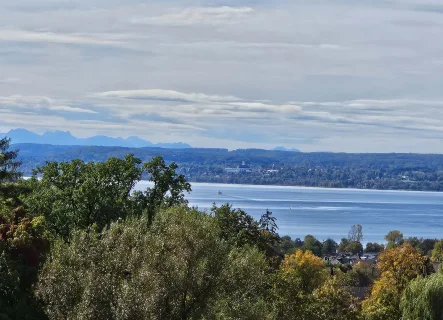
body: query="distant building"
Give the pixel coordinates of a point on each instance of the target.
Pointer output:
(243, 168)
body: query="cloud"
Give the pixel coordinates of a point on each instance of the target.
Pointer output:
(199, 16)
(51, 37)
(10, 80)
(165, 95)
(71, 109)
(249, 73)
(38, 103)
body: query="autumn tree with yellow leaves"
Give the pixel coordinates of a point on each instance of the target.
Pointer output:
(398, 266)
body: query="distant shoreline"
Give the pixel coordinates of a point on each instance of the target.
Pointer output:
(262, 186)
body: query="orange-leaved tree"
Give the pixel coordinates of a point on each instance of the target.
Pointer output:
(398, 266)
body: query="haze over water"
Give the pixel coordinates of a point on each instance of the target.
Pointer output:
(329, 213)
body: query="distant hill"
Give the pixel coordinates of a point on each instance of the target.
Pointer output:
(394, 171)
(280, 148)
(65, 138)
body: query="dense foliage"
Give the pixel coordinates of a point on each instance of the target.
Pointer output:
(77, 243)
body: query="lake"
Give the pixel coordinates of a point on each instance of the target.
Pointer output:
(329, 213)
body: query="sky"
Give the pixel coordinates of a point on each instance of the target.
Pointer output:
(317, 75)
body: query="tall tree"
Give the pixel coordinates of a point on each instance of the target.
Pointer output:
(8, 162)
(356, 233)
(169, 187)
(394, 239)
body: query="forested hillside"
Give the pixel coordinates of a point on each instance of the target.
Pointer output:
(337, 170)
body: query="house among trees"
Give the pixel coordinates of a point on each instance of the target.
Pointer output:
(243, 168)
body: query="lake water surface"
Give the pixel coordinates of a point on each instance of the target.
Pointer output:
(329, 213)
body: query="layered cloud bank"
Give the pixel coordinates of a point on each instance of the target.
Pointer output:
(323, 76)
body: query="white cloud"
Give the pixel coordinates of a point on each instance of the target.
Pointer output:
(199, 16)
(10, 80)
(71, 109)
(160, 94)
(51, 37)
(252, 73)
(38, 102)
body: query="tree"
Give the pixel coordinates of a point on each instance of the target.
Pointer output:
(342, 247)
(287, 244)
(331, 301)
(268, 222)
(299, 275)
(329, 247)
(23, 244)
(356, 233)
(241, 229)
(169, 187)
(437, 252)
(312, 244)
(424, 245)
(77, 195)
(177, 268)
(372, 247)
(304, 268)
(269, 241)
(347, 245)
(9, 174)
(9, 164)
(236, 226)
(423, 298)
(394, 239)
(398, 266)
(361, 275)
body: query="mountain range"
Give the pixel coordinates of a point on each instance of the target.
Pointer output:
(66, 138)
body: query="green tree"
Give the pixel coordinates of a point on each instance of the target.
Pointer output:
(178, 268)
(287, 244)
(394, 239)
(241, 229)
(9, 176)
(332, 301)
(423, 299)
(23, 244)
(312, 244)
(342, 247)
(424, 245)
(372, 247)
(329, 247)
(9, 165)
(236, 226)
(169, 187)
(347, 245)
(437, 252)
(77, 195)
